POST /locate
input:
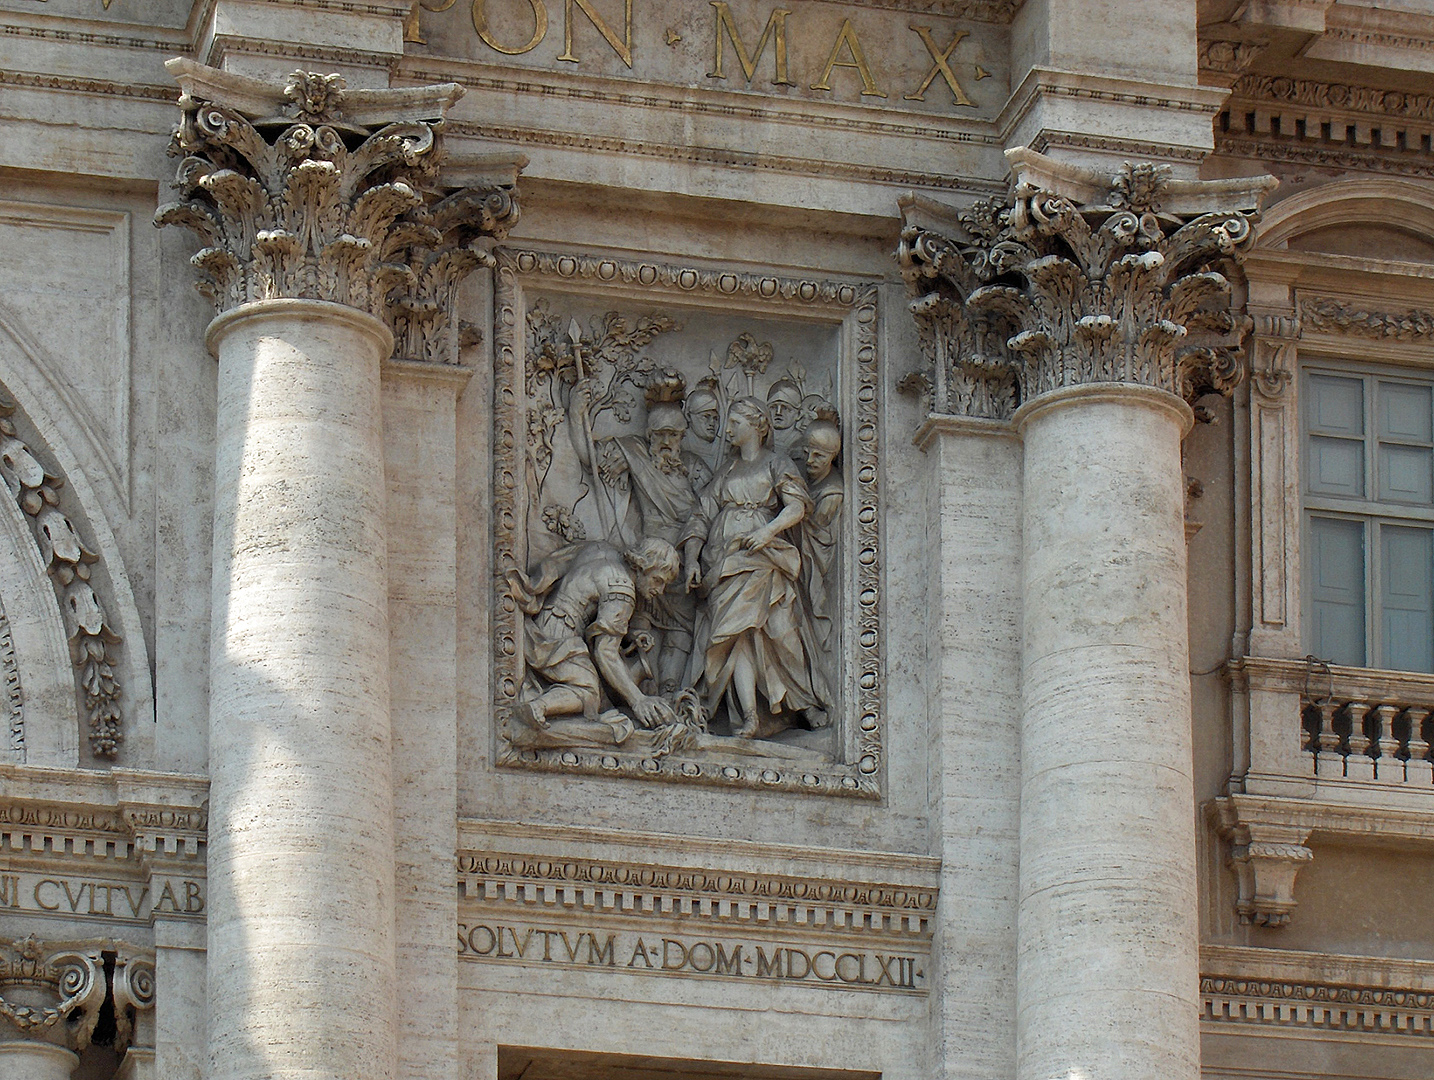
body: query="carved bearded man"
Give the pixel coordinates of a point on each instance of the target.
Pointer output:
(580, 605)
(663, 482)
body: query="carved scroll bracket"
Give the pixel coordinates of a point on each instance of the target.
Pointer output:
(1078, 277)
(1266, 859)
(310, 190)
(1272, 352)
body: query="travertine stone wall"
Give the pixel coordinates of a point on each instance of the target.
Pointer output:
(974, 645)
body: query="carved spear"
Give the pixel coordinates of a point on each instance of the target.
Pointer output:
(575, 335)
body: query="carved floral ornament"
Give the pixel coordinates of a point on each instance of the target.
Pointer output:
(319, 192)
(1077, 277)
(55, 992)
(68, 561)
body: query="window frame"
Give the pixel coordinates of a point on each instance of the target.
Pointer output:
(1368, 510)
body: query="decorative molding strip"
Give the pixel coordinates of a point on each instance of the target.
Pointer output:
(107, 87)
(83, 37)
(624, 888)
(1383, 39)
(1324, 155)
(710, 156)
(13, 694)
(68, 562)
(860, 776)
(1328, 315)
(1140, 148)
(1340, 96)
(1320, 1006)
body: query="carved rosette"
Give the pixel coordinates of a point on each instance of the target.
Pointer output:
(1078, 278)
(317, 192)
(54, 992)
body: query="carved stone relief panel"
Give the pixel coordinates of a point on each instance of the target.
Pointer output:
(688, 582)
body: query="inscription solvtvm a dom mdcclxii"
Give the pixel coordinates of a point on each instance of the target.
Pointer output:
(797, 49)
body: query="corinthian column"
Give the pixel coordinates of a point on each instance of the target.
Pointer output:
(1089, 310)
(328, 237)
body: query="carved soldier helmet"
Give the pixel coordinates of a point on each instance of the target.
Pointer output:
(664, 395)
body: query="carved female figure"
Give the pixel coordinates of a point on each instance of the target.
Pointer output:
(757, 640)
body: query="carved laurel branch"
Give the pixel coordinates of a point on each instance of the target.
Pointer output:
(13, 698)
(74, 973)
(860, 300)
(323, 210)
(1326, 314)
(1041, 294)
(68, 562)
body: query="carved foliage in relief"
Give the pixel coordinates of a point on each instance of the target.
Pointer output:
(673, 530)
(69, 562)
(1323, 313)
(1038, 292)
(321, 201)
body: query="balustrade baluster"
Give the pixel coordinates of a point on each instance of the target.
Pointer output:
(1418, 769)
(1388, 766)
(1358, 765)
(1329, 739)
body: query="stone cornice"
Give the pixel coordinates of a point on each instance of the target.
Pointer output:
(1304, 992)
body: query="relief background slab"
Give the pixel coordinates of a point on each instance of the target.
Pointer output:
(830, 327)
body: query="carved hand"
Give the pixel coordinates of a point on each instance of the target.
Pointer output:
(755, 540)
(694, 577)
(652, 712)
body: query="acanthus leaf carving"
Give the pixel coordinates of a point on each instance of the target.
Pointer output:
(316, 192)
(1045, 289)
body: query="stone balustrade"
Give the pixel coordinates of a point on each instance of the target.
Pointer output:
(1370, 737)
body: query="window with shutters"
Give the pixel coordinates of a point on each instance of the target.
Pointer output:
(1369, 518)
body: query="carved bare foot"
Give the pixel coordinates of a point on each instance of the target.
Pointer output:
(748, 728)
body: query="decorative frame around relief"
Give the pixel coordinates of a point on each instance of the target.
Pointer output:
(852, 305)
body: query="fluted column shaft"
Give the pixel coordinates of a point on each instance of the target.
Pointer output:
(1107, 966)
(301, 856)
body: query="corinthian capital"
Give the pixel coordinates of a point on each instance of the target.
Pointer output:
(1078, 277)
(310, 190)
